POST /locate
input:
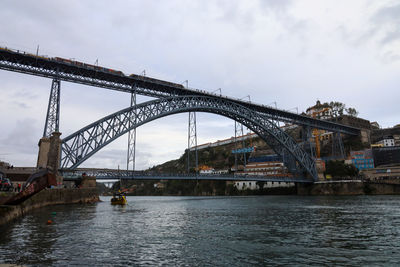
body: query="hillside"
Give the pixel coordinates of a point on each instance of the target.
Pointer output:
(221, 157)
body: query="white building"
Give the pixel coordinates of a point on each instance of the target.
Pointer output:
(387, 141)
(252, 185)
(206, 170)
(221, 172)
(267, 168)
(244, 185)
(320, 111)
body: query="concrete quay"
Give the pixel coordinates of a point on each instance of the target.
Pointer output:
(348, 188)
(48, 197)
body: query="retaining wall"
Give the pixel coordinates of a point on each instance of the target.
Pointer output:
(348, 188)
(48, 197)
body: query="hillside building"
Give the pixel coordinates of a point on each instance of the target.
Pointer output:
(353, 121)
(375, 125)
(387, 141)
(320, 111)
(362, 159)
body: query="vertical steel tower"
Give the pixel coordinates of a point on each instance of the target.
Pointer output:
(52, 123)
(131, 156)
(192, 140)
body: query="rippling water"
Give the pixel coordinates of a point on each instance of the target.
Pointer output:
(207, 231)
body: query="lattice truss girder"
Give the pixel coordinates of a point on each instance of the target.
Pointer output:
(77, 75)
(192, 141)
(239, 157)
(52, 123)
(108, 174)
(131, 156)
(81, 145)
(39, 66)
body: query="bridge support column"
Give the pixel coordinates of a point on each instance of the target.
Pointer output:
(50, 154)
(192, 141)
(44, 148)
(308, 145)
(53, 110)
(337, 146)
(239, 133)
(131, 157)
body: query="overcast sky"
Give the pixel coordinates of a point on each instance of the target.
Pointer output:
(289, 52)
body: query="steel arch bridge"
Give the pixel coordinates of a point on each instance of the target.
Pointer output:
(81, 145)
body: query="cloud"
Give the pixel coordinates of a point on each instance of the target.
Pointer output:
(19, 143)
(291, 52)
(387, 19)
(379, 28)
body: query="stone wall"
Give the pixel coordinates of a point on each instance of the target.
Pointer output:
(347, 188)
(44, 147)
(48, 197)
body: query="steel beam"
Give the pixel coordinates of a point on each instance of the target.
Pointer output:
(52, 123)
(142, 175)
(192, 141)
(131, 156)
(79, 73)
(239, 132)
(337, 146)
(117, 124)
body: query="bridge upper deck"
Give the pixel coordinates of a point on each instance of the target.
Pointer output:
(78, 72)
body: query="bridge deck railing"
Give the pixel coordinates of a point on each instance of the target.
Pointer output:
(137, 175)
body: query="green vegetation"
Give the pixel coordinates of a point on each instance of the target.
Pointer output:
(353, 143)
(216, 157)
(337, 168)
(338, 109)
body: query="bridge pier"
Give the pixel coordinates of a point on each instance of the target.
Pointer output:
(131, 156)
(50, 154)
(239, 133)
(192, 142)
(52, 123)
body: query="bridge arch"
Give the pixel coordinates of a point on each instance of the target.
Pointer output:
(81, 145)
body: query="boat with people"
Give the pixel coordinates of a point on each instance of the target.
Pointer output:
(119, 198)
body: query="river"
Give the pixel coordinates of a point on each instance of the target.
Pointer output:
(210, 231)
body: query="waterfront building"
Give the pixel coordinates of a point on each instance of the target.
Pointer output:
(206, 170)
(253, 185)
(267, 165)
(362, 159)
(246, 185)
(224, 171)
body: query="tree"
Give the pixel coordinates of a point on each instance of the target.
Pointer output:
(352, 112)
(337, 168)
(337, 108)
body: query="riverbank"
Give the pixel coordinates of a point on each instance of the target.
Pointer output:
(348, 188)
(320, 188)
(48, 197)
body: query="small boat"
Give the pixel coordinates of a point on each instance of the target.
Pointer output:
(118, 199)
